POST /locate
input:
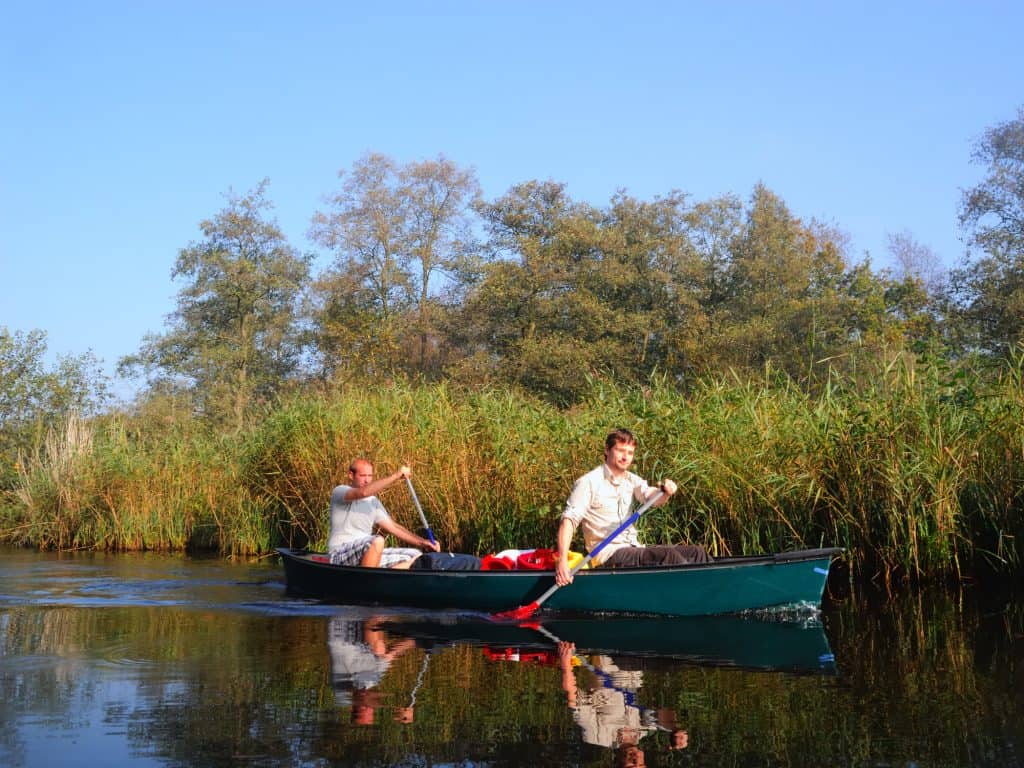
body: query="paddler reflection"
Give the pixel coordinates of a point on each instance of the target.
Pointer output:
(361, 654)
(603, 700)
(606, 709)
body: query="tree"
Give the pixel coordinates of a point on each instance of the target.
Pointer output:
(713, 228)
(234, 338)
(916, 262)
(397, 232)
(780, 299)
(35, 396)
(989, 290)
(916, 295)
(440, 198)
(573, 290)
(530, 318)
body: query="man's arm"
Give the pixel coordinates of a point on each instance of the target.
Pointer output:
(563, 574)
(401, 532)
(565, 653)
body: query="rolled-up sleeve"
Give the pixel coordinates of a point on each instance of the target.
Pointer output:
(641, 490)
(578, 502)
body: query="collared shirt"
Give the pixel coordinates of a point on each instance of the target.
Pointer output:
(600, 502)
(609, 709)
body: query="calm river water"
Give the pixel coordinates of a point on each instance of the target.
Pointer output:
(174, 661)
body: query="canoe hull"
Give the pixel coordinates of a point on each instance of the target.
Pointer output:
(729, 585)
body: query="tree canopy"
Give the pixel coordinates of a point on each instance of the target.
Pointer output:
(234, 339)
(537, 290)
(989, 288)
(36, 395)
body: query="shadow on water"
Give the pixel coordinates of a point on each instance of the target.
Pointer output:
(170, 660)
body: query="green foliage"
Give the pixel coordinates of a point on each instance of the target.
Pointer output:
(35, 396)
(396, 232)
(673, 287)
(989, 289)
(234, 338)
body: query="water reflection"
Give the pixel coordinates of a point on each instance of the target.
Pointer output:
(794, 643)
(361, 653)
(600, 663)
(176, 662)
(607, 709)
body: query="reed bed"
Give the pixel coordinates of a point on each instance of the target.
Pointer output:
(918, 473)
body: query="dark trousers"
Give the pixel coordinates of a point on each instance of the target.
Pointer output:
(660, 554)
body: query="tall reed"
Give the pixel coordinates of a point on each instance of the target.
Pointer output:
(917, 473)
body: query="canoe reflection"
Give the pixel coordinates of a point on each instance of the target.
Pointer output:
(750, 643)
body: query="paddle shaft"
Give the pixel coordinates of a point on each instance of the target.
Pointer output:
(423, 518)
(590, 555)
(419, 678)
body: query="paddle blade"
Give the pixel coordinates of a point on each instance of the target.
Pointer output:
(518, 614)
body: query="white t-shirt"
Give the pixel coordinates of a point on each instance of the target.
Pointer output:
(353, 519)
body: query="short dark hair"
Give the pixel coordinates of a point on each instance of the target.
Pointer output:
(620, 435)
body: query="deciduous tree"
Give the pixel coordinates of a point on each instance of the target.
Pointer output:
(234, 338)
(36, 395)
(989, 288)
(398, 234)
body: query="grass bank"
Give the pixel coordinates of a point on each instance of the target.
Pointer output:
(916, 474)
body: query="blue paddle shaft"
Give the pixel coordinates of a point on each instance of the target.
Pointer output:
(423, 518)
(590, 555)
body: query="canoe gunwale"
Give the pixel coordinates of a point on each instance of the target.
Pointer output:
(306, 557)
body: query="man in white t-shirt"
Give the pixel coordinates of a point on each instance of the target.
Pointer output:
(359, 522)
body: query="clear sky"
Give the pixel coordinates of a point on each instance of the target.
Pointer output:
(124, 123)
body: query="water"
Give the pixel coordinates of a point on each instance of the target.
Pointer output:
(161, 660)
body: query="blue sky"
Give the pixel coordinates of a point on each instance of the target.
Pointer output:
(125, 123)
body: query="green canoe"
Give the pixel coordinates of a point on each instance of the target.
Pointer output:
(727, 585)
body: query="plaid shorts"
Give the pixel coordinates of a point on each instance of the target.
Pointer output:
(393, 555)
(351, 553)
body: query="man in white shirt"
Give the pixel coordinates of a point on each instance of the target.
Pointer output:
(601, 501)
(358, 517)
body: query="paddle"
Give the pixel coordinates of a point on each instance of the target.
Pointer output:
(408, 714)
(526, 611)
(416, 501)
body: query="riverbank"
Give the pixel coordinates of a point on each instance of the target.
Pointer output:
(915, 476)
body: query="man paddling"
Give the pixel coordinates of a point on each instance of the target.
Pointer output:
(600, 502)
(356, 517)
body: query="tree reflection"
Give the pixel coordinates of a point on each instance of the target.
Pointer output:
(929, 677)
